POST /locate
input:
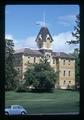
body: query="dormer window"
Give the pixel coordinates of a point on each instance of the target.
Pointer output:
(40, 37)
(47, 37)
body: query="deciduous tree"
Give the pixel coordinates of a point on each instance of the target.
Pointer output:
(41, 76)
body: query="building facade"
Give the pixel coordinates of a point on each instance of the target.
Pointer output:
(62, 63)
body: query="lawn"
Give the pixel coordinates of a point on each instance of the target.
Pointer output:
(60, 101)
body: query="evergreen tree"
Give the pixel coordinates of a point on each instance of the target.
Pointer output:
(76, 32)
(77, 65)
(10, 72)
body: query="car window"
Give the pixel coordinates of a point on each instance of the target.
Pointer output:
(8, 106)
(15, 107)
(20, 107)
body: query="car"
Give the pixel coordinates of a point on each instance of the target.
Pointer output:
(15, 110)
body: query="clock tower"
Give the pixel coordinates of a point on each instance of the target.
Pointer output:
(44, 40)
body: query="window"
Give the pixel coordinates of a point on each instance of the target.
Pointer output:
(64, 82)
(18, 69)
(15, 107)
(28, 57)
(57, 61)
(8, 106)
(64, 62)
(40, 37)
(69, 73)
(69, 62)
(69, 82)
(19, 107)
(64, 73)
(53, 60)
(25, 64)
(47, 37)
(28, 62)
(34, 59)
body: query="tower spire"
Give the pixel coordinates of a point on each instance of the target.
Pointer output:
(42, 23)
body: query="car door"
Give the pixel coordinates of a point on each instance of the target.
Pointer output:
(15, 110)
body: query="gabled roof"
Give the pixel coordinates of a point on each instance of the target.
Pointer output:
(44, 32)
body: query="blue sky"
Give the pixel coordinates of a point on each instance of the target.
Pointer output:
(20, 23)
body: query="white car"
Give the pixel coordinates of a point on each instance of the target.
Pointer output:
(15, 110)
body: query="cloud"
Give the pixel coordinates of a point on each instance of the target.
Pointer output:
(29, 42)
(8, 36)
(67, 17)
(59, 44)
(66, 20)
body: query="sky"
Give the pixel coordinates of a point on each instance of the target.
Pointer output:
(21, 25)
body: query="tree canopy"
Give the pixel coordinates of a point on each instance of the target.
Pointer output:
(76, 32)
(76, 53)
(10, 72)
(41, 76)
(77, 65)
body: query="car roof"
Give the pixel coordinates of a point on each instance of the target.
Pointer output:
(16, 105)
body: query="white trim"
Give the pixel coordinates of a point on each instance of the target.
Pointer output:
(45, 48)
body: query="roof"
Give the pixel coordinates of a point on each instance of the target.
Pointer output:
(28, 51)
(44, 32)
(62, 55)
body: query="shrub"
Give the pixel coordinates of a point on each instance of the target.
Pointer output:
(71, 87)
(42, 90)
(21, 88)
(9, 88)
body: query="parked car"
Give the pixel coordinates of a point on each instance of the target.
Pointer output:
(15, 110)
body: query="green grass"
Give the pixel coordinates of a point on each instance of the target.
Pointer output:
(59, 101)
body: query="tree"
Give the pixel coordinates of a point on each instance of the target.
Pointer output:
(41, 76)
(76, 32)
(77, 65)
(76, 52)
(10, 72)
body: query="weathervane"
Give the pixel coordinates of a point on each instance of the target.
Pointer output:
(43, 24)
(44, 20)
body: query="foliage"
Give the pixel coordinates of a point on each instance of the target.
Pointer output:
(76, 54)
(76, 32)
(41, 76)
(21, 88)
(10, 72)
